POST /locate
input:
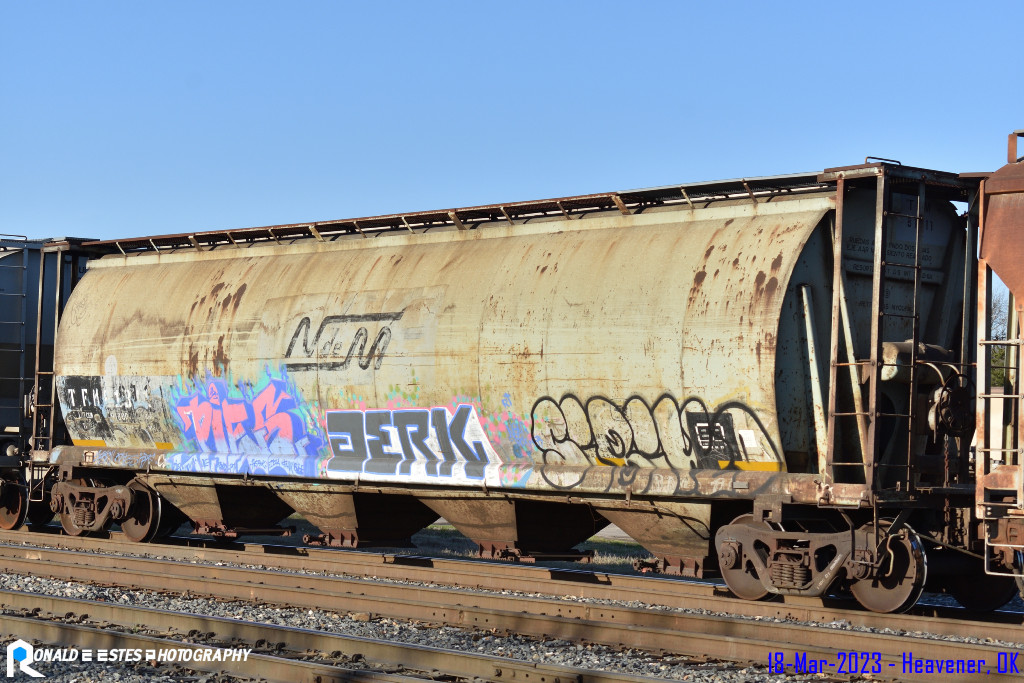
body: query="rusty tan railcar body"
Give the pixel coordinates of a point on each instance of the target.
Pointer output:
(640, 362)
(609, 307)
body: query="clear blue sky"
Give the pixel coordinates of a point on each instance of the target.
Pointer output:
(139, 118)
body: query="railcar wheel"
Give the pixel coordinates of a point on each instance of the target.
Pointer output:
(983, 593)
(902, 574)
(170, 520)
(1018, 573)
(39, 514)
(13, 503)
(68, 524)
(740, 576)
(143, 520)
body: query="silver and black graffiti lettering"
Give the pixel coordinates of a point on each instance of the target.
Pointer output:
(117, 409)
(333, 348)
(635, 433)
(392, 441)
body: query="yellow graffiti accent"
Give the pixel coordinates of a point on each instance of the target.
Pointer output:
(164, 446)
(752, 466)
(89, 442)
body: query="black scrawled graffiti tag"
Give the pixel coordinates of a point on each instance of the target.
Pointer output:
(335, 344)
(635, 433)
(114, 409)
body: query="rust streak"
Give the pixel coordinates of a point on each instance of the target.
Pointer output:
(220, 359)
(238, 297)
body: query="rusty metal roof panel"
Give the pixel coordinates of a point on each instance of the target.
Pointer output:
(510, 212)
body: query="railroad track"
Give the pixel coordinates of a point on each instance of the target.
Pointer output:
(472, 574)
(291, 654)
(727, 637)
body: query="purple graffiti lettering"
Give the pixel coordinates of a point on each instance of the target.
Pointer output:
(269, 422)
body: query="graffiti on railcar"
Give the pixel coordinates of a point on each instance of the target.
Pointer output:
(124, 410)
(266, 464)
(278, 465)
(266, 418)
(503, 427)
(657, 481)
(435, 442)
(688, 436)
(132, 460)
(339, 340)
(508, 426)
(82, 401)
(507, 431)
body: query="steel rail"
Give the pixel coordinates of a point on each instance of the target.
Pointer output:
(472, 574)
(299, 641)
(717, 636)
(257, 666)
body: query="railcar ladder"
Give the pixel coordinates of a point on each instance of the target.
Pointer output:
(884, 273)
(13, 333)
(44, 391)
(60, 266)
(904, 470)
(59, 269)
(1000, 451)
(1007, 450)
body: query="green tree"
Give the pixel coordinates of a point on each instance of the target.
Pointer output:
(998, 330)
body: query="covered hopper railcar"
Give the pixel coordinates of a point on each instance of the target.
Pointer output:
(765, 378)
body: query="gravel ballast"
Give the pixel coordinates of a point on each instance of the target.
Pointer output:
(558, 652)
